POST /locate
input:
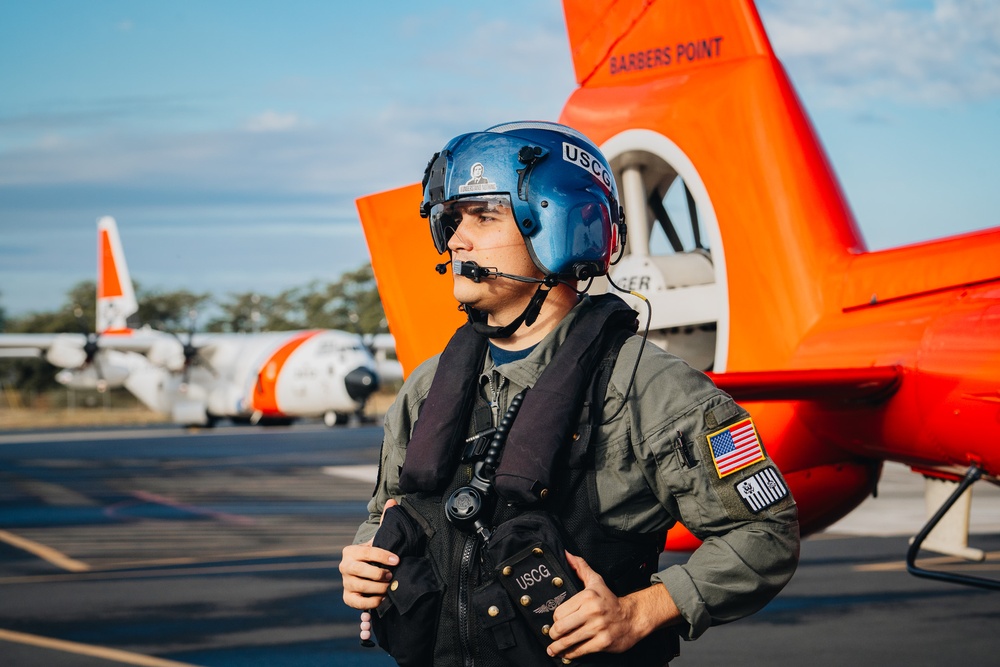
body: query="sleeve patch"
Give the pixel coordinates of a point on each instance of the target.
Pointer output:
(762, 489)
(735, 447)
(721, 414)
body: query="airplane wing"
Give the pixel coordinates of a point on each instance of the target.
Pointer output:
(27, 345)
(130, 340)
(67, 349)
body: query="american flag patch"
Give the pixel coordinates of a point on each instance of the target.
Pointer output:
(761, 490)
(735, 447)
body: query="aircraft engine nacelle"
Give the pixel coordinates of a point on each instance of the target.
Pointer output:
(167, 353)
(111, 375)
(67, 352)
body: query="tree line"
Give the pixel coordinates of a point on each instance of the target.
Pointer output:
(351, 304)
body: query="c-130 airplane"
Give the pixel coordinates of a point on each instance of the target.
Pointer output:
(268, 377)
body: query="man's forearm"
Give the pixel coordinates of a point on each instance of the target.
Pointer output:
(650, 609)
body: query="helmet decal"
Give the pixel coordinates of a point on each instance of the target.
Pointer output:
(479, 181)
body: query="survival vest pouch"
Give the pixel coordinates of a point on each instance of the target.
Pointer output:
(405, 623)
(533, 577)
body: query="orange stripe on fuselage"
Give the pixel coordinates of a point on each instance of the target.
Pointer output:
(108, 284)
(264, 396)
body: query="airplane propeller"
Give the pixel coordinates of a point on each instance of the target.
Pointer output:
(91, 349)
(192, 353)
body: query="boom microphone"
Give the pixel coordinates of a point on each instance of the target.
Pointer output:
(476, 273)
(473, 271)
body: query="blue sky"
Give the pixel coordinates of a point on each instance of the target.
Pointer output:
(230, 139)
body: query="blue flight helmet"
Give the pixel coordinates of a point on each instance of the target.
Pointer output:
(561, 187)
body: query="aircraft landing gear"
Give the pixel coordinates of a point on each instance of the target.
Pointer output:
(971, 477)
(331, 419)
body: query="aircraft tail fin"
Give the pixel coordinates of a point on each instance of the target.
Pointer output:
(692, 94)
(115, 293)
(418, 301)
(675, 33)
(685, 94)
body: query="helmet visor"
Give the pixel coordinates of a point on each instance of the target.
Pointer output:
(447, 216)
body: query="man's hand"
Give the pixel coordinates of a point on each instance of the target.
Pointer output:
(361, 567)
(596, 620)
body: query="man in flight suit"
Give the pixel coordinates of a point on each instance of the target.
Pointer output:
(605, 454)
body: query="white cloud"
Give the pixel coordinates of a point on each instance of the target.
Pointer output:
(852, 50)
(272, 121)
(125, 25)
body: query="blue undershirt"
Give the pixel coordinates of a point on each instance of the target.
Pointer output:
(501, 357)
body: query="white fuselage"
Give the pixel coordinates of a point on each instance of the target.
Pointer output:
(275, 374)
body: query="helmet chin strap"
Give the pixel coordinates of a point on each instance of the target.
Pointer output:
(478, 318)
(527, 316)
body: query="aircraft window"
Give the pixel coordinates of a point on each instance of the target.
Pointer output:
(335, 348)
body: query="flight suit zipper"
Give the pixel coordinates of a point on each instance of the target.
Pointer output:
(464, 575)
(496, 385)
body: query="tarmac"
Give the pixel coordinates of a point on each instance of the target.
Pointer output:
(167, 547)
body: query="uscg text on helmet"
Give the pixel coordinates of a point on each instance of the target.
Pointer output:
(586, 161)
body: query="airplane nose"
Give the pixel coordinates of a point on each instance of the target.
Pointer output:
(361, 383)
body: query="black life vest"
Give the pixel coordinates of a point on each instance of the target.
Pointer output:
(548, 417)
(448, 607)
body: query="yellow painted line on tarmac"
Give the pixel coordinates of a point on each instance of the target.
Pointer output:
(361, 473)
(174, 573)
(45, 553)
(219, 559)
(114, 654)
(991, 563)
